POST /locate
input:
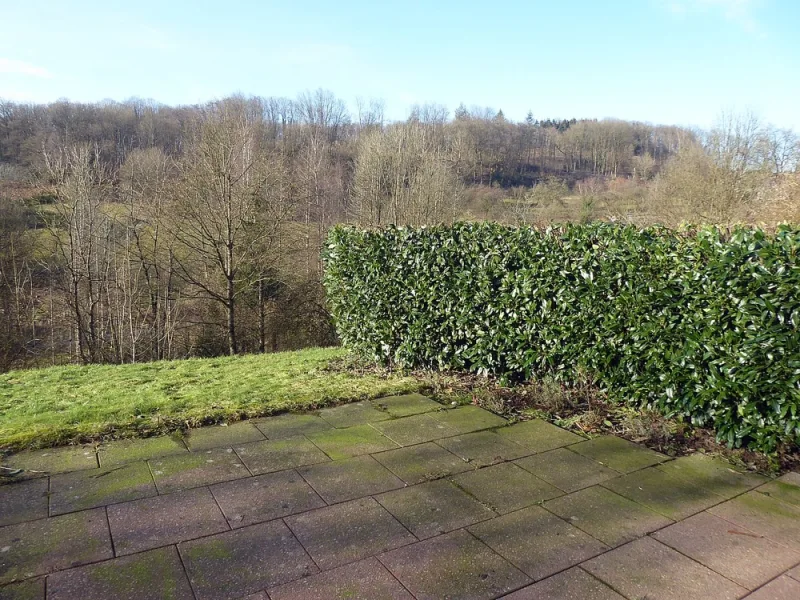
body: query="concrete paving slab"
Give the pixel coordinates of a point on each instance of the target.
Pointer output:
(739, 554)
(269, 456)
(119, 452)
(573, 584)
(795, 573)
(606, 516)
(222, 436)
(23, 501)
(539, 436)
(245, 561)
(153, 575)
(291, 425)
(185, 471)
(455, 565)
(483, 448)
(782, 588)
(414, 430)
(566, 470)
(53, 460)
(365, 580)
(153, 522)
(344, 533)
(713, 474)
(433, 508)
(618, 454)
(764, 515)
(355, 413)
(356, 477)
(352, 441)
(466, 419)
(537, 542)
(266, 497)
(33, 589)
(786, 489)
(424, 462)
(79, 490)
(506, 487)
(406, 405)
(646, 568)
(48, 545)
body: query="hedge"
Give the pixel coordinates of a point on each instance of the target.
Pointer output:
(701, 324)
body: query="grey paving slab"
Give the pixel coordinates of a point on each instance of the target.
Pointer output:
(266, 497)
(221, 436)
(415, 429)
(433, 508)
(124, 451)
(537, 542)
(54, 460)
(245, 561)
(454, 565)
(33, 589)
(795, 573)
(424, 462)
(782, 588)
(466, 419)
(539, 436)
(646, 568)
(739, 554)
(153, 522)
(355, 413)
(79, 490)
(408, 404)
(365, 580)
(344, 533)
(154, 575)
(257, 596)
(352, 441)
(786, 489)
(573, 584)
(607, 516)
(618, 454)
(673, 497)
(193, 469)
(483, 448)
(48, 545)
(566, 470)
(713, 474)
(763, 515)
(291, 425)
(276, 455)
(23, 501)
(356, 477)
(506, 487)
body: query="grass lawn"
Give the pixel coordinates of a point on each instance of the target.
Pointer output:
(45, 407)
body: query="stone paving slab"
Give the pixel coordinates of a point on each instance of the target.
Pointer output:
(785, 488)
(365, 580)
(245, 561)
(618, 454)
(124, 451)
(70, 492)
(153, 522)
(647, 569)
(23, 501)
(219, 436)
(291, 425)
(455, 565)
(466, 419)
(48, 545)
(153, 575)
(782, 588)
(712, 474)
(33, 589)
(506, 487)
(566, 470)
(352, 441)
(344, 480)
(355, 413)
(764, 515)
(483, 448)
(414, 430)
(573, 584)
(184, 471)
(54, 460)
(537, 542)
(406, 405)
(434, 508)
(607, 516)
(424, 462)
(539, 436)
(266, 497)
(795, 573)
(277, 455)
(348, 532)
(742, 556)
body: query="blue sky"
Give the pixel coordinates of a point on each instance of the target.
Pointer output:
(663, 61)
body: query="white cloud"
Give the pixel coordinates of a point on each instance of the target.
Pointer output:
(737, 11)
(19, 67)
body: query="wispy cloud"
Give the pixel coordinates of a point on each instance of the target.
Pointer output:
(740, 12)
(20, 67)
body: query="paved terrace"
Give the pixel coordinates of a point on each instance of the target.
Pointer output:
(395, 499)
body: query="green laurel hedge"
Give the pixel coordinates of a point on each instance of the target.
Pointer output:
(700, 324)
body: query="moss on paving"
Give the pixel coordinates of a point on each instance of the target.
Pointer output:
(46, 407)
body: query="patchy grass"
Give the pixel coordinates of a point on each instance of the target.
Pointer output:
(57, 405)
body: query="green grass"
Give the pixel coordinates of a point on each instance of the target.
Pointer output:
(45, 407)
